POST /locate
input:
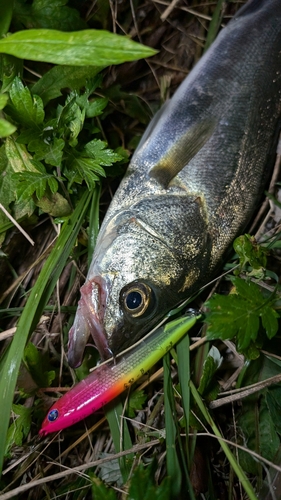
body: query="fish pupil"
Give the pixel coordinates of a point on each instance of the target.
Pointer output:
(53, 415)
(133, 300)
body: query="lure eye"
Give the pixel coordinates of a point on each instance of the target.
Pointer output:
(53, 415)
(136, 298)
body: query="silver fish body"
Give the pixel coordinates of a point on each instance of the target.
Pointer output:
(191, 187)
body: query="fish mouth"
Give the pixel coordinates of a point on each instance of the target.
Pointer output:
(89, 322)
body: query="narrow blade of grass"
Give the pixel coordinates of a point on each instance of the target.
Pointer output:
(184, 378)
(173, 466)
(38, 298)
(232, 460)
(120, 435)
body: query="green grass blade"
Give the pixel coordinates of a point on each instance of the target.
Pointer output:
(232, 460)
(120, 435)
(77, 48)
(39, 296)
(214, 25)
(173, 466)
(93, 223)
(183, 354)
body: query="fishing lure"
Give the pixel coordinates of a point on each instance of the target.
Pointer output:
(112, 377)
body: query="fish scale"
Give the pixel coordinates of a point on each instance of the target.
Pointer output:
(192, 185)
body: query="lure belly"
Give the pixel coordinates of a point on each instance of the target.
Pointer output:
(111, 378)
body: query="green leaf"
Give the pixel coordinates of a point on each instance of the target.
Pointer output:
(34, 307)
(136, 402)
(20, 427)
(60, 77)
(249, 252)
(48, 14)
(10, 67)
(80, 48)
(3, 100)
(29, 183)
(96, 149)
(96, 107)
(27, 110)
(240, 315)
(269, 321)
(6, 128)
(55, 205)
(143, 487)
(102, 492)
(211, 365)
(87, 164)
(36, 366)
(6, 13)
(51, 152)
(19, 158)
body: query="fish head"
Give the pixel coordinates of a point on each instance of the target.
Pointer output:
(146, 261)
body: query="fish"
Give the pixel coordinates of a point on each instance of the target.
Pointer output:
(191, 187)
(114, 376)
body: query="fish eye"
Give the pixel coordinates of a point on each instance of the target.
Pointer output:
(53, 415)
(136, 298)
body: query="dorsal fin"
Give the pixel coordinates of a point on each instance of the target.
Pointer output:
(180, 154)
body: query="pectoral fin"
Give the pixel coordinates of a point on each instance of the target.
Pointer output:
(180, 154)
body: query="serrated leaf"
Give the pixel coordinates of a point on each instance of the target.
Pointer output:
(136, 402)
(102, 492)
(249, 252)
(143, 487)
(60, 77)
(96, 107)
(27, 109)
(51, 152)
(269, 321)
(3, 100)
(97, 150)
(6, 128)
(48, 14)
(78, 48)
(20, 427)
(240, 314)
(29, 183)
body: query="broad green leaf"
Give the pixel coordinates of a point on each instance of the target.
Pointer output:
(27, 109)
(20, 427)
(78, 48)
(85, 169)
(6, 128)
(48, 14)
(60, 77)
